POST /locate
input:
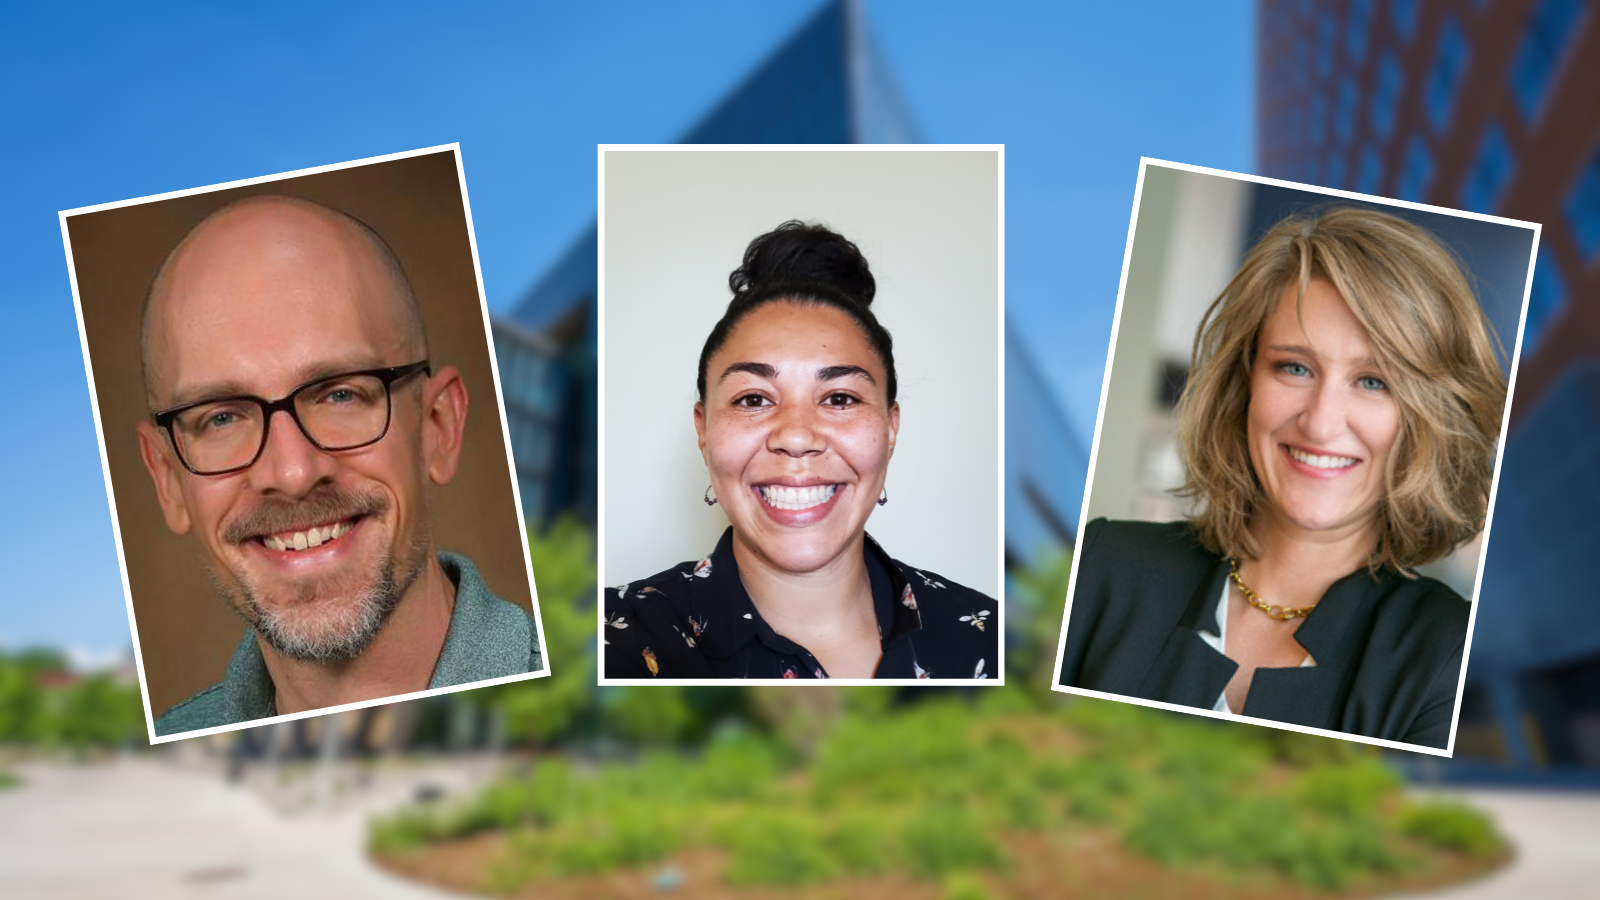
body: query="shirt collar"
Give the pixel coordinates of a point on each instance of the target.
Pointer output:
(718, 599)
(477, 646)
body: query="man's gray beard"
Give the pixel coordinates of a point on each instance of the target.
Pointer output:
(357, 620)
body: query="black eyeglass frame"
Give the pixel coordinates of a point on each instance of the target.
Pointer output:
(388, 376)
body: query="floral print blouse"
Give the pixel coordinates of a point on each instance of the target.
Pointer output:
(696, 621)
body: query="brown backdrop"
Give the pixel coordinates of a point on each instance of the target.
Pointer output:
(186, 630)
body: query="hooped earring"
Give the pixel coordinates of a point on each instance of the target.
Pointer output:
(711, 499)
(883, 497)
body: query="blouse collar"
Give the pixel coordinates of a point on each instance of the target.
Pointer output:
(718, 600)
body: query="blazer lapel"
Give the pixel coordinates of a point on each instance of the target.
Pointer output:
(1186, 670)
(1332, 634)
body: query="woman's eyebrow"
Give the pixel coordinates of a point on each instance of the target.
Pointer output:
(758, 369)
(1367, 361)
(1301, 349)
(829, 373)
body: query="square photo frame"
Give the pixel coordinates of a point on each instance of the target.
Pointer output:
(675, 220)
(235, 585)
(1207, 387)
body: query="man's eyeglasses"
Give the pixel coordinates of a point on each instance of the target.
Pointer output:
(342, 412)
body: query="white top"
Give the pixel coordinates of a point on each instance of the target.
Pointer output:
(1219, 643)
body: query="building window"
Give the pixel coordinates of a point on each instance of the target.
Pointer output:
(1386, 95)
(1344, 113)
(1449, 64)
(1545, 299)
(1583, 209)
(1416, 173)
(1404, 15)
(1327, 38)
(1356, 28)
(1335, 178)
(1548, 34)
(1370, 173)
(1490, 172)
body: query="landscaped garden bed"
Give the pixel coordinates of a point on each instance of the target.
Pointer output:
(954, 799)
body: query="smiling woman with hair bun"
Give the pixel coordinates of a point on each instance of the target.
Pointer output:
(797, 420)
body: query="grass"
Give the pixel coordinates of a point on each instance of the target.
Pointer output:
(938, 792)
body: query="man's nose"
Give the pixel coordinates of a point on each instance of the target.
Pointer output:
(795, 433)
(289, 463)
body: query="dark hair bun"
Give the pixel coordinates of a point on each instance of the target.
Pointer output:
(797, 255)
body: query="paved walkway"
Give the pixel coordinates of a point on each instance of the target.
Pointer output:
(147, 828)
(1557, 841)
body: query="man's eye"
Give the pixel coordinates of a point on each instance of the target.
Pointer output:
(840, 400)
(216, 419)
(343, 394)
(751, 401)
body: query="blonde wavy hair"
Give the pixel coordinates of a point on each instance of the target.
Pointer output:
(1434, 348)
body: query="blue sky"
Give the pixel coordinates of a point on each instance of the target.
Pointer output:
(108, 104)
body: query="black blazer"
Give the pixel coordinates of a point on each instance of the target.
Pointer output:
(1388, 650)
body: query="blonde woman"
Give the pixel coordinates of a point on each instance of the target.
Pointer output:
(1337, 430)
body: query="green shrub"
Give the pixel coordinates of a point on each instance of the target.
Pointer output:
(1451, 826)
(1093, 785)
(945, 839)
(898, 758)
(405, 830)
(1173, 831)
(739, 768)
(621, 835)
(964, 886)
(863, 841)
(778, 849)
(1346, 790)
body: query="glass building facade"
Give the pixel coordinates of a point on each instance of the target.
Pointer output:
(1489, 106)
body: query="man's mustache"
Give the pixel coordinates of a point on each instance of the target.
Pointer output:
(321, 507)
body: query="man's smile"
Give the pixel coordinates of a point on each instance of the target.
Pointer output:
(315, 536)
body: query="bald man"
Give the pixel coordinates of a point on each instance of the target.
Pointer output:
(297, 430)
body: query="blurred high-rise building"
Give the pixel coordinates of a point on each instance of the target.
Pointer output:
(1491, 106)
(828, 83)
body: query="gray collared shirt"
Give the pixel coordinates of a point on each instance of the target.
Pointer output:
(488, 638)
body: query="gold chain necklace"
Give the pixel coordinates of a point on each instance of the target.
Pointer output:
(1282, 613)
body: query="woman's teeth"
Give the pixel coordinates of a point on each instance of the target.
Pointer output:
(780, 497)
(311, 537)
(1322, 462)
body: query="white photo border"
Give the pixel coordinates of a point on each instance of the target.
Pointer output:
(105, 463)
(1094, 451)
(602, 150)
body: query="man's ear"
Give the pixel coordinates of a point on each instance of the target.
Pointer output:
(894, 427)
(165, 472)
(444, 419)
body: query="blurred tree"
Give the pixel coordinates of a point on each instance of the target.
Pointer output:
(98, 711)
(22, 708)
(563, 557)
(1038, 602)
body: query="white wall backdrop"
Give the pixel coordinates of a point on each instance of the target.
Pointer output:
(675, 222)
